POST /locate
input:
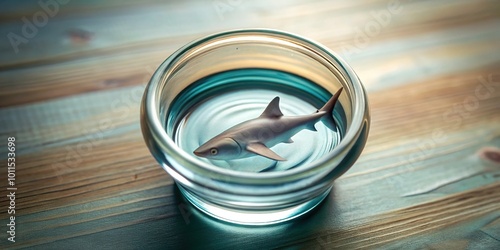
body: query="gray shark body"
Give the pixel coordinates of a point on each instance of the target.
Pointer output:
(257, 136)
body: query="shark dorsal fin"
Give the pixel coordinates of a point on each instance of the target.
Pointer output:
(273, 109)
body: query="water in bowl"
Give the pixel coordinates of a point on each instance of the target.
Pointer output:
(217, 102)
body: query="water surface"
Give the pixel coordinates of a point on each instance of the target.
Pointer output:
(218, 102)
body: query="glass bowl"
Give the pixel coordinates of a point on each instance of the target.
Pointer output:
(247, 197)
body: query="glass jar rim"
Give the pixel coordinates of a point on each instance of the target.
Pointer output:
(168, 146)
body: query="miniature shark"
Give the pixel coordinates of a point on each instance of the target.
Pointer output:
(256, 136)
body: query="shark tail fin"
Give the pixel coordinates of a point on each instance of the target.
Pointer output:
(328, 109)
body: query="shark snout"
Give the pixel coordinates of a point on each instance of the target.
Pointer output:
(219, 149)
(201, 151)
(197, 152)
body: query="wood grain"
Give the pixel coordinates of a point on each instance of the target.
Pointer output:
(414, 221)
(428, 177)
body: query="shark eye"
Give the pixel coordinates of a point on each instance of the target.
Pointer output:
(214, 151)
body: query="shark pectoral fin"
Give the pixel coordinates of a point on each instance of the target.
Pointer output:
(261, 149)
(311, 127)
(288, 141)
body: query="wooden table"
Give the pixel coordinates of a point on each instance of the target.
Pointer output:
(71, 79)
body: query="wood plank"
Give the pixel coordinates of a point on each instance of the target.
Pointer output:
(114, 63)
(416, 220)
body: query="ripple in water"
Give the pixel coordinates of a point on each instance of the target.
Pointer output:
(218, 102)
